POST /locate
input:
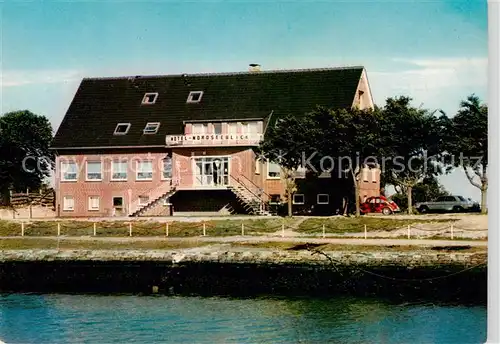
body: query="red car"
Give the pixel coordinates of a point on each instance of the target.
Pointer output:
(379, 204)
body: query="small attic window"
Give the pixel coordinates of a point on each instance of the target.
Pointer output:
(151, 128)
(122, 128)
(194, 97)
(149, 98)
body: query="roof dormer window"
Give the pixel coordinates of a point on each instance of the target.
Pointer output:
(121, 128)
(149, 98)
(151, 128)
(194, 97)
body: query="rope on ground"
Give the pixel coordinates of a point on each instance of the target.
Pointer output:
(469, 229)
(76, 228)
(136, 226)
(430, 229)
(332, 260)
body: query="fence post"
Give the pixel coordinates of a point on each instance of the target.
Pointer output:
(242, 229)
(452, 231)
(22, 228)
(166, 229)
(408, 231)
(95, 229)
(323, 230)
(58, 229)
(366, 233)
(204, 229)
(130, 228)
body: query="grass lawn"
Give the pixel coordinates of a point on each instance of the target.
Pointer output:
(143, 228)
(357, 224)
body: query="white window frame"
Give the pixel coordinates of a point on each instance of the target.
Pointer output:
(90, 204)
(137, 171)
(147, 95)
(217, 123)
(300, 172)
(257, 166)
(87, 172)
(151, 128)
(119, 125)
(327, 197)
(143, 196)
(163, 169)
(274, 177)
(365, 174)
(63, 171)
(232, 125)
(246, 127)
(113, 172)
(196, 126)
(65, 205)
(191, 96)
(299, 203)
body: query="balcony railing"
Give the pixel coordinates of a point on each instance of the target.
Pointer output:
(214, 140)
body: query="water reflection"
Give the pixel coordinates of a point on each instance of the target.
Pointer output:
(162, 319)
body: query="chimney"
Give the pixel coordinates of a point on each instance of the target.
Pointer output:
(254, 67)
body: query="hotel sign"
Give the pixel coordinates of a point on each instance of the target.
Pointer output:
(214, 140)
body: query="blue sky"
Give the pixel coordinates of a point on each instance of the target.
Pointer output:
(434, 51)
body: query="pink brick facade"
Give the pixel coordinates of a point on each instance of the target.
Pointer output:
(106, 189)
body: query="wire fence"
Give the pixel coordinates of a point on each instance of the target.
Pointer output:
(194, 229)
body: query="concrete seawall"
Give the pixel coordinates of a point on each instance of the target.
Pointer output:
(201, 270)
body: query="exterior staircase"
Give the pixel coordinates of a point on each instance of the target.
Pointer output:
(249, 199)
(154, 202)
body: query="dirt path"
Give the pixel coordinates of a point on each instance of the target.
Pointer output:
(261, 239)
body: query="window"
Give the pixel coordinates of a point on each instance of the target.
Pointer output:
(374, 175)
(150, 98)
(217, 128)
(298, 199)
(257, 166)
(365, 174)
(200, 128)
(68, 203)
(94, 170)
(144, 170)
(249, 127)
(232, 128)
(119, 170)
(275, 199)
(167, 168)
(273, 170)
(151, 128)
(69, 171)
(194, 97)
(122, 128)
(300, 172)
(323, 199)
(143, 200)
(93, 203)
(117, 202)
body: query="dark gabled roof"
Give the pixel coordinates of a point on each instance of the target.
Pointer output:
(101, 103)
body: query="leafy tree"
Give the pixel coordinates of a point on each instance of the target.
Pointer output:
(427, 190)
(411, 138)
(466, 142)
(324, 137)
(25, 159)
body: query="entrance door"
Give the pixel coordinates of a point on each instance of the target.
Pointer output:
(212, 171)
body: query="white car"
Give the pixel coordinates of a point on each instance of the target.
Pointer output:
(455, 204)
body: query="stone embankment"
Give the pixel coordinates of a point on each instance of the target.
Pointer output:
(302, 255)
